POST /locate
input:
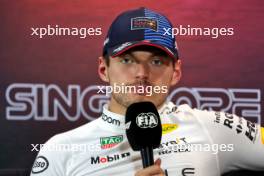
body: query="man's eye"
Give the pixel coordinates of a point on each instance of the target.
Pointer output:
(157, 62)
(126, 60)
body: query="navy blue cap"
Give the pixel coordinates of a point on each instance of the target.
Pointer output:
(138, 27)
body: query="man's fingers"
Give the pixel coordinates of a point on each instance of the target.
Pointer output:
(150, 171)
(153, 170)
(158, 162)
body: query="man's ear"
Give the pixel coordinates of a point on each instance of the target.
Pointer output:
(102, 69)
(177, 73)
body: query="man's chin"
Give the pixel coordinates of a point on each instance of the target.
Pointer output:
(128, 99)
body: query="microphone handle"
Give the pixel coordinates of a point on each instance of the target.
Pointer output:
(147, 156)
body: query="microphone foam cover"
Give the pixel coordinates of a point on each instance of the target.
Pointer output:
(143, 125)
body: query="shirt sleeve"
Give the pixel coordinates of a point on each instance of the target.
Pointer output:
(240, 142)
(51, 159)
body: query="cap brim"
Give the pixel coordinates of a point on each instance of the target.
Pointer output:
(141, 43)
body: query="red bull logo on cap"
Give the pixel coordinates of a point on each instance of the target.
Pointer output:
(144, 23)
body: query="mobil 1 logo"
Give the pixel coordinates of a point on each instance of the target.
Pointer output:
(109, 158)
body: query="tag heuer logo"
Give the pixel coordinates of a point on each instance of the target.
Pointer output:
(144, 23)
(111, 141)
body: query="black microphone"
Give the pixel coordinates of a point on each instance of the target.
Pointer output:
(143, 130)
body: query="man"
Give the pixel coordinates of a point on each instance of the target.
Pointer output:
(137, 54)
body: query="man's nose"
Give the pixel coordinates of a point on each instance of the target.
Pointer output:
(142, 71)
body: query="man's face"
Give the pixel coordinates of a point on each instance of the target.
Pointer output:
(143, 69)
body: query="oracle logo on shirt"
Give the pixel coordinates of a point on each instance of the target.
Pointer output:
(241, 125)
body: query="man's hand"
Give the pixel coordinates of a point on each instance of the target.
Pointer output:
(154, 170)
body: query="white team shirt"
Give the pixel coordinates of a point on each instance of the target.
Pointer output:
(194, 142)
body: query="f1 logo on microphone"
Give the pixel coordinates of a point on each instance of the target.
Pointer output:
(147, 120)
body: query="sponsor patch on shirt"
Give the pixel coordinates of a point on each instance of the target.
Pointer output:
(108, 158)
(111, 141)
(110, 120)
(41, 164)
(243, 127)
(167, 128)
(262, 134)
(144, 23)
